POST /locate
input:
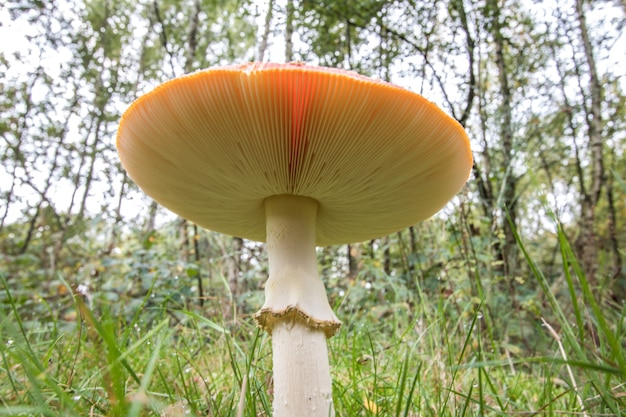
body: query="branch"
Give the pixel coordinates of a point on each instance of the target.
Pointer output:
(163, 35)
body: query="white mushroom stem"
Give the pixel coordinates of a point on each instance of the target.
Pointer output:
(302, 381)
(296, 310)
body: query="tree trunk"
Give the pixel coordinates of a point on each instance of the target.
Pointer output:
(192, 37)
(589, 201)
(150, 223)
(196, 255)
(509, 182)
(353, 261)
(289, 32)
(185, 245)
(233, 275)
(266, 31)
(618, 282)
(115, 229)
(386, 255)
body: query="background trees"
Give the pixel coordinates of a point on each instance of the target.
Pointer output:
(540, 90)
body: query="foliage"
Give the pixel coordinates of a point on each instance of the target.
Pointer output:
(441, 357)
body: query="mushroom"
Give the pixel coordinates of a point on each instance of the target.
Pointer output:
(297, 156)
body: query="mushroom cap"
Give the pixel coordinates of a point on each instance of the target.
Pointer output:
(211, 146)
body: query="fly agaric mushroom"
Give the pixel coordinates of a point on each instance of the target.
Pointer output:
(297, 156)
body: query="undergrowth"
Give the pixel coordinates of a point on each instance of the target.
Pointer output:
(435, 357)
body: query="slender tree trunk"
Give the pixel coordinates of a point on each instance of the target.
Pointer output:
(482, 173)
(289, 31)
(588, 241)
(471, 47)
(594, 119)
(618, 288)
(185, 243)
(31, 228)
(93, 156)
(509, 182)
(348, 43)
(150, 224)
(192, 37)
(266, 31)
(233, 275)
(353, 260)
(386, 255)
(118, 216)
(163, 35)
(196, 258)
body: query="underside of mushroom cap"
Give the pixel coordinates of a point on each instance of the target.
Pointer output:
(213, 145)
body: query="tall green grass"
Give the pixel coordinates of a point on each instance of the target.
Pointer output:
(418, 361)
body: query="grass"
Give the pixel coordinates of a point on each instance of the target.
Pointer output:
(420, 361)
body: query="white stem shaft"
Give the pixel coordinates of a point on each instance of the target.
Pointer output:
(302, 381)
(296, 310)
(294, 286)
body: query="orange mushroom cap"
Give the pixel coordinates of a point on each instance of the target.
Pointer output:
(213, 145)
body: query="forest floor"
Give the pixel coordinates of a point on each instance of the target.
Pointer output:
(400, 361)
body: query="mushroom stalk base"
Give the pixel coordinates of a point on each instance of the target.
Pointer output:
(296, 311)
(302, 381)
